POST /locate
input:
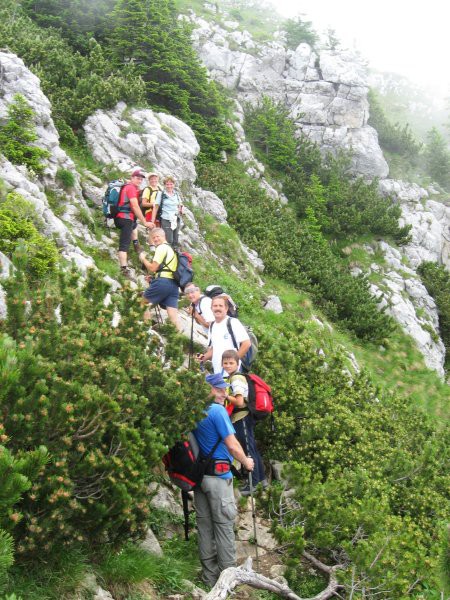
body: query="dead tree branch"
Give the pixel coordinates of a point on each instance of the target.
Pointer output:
(244, 575)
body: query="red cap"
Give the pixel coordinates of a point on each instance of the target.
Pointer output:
(138, 173)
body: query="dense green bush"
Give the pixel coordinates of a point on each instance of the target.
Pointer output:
(76, 84)
(16, 471)
(104, 401)
(392, 137)
(18, 134)
(19, 226)
(343, 205)
(296, 252)
(437, 281)
(437, 158)
(369, 470)
(66, 178)
(297, 31)
(155, 65)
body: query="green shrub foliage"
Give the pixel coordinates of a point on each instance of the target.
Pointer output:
(369, 470)
(296, 252)
(437, 281)
(19, 226)
(104, 401)
(18, 134)
(392, 137)
(343, 205)
(76, 84)
(297, 31)
(437, 158)
(16, 471)
(141, 54)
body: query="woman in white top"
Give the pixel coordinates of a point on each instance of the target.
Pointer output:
(171, 208)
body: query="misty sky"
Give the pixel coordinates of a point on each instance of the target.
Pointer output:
(394, 35)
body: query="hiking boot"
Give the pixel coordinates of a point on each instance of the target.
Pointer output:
(264, 483)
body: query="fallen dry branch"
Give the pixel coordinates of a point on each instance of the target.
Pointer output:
(244, 575)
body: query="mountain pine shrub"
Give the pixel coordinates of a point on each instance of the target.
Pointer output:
(20, 235)
(437, 281)
(104, 399)
(296, 252)
(369, 470)
(344, 205)
(18, 134)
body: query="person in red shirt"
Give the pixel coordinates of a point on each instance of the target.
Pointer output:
(126, 218)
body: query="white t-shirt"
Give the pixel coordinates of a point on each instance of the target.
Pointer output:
(221, 340)
(203, 307)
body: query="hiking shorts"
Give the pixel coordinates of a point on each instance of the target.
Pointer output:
(126, 227)
(163, 291)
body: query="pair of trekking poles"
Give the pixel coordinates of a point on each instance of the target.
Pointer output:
(249, 473)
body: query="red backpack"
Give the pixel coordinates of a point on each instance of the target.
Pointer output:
(260, 399)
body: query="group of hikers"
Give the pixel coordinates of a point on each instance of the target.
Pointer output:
(227, 430)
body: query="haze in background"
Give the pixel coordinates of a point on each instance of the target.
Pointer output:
(397, 36)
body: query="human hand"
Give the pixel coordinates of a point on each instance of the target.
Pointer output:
(149, 224)
(249, 464)
(142, 256)
(199, 357)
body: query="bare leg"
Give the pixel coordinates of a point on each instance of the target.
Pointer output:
(172, 313)
(123, 258)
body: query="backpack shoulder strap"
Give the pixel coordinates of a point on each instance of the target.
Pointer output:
(199, 310)
(210, 332)
(230, 331)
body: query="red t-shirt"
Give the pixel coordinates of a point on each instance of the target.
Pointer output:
(128, 192)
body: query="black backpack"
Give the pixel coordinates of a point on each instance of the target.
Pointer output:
(186, 469)
(215, 290)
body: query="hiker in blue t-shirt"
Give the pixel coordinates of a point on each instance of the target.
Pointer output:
(214, 501)
(171, 210)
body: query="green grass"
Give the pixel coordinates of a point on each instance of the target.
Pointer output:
(56, 579)
(121, 572)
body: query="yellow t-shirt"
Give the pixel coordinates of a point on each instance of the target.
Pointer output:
(165, 254)
(150, 195)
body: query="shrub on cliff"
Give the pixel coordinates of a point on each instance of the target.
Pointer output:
(343, 205)
(437, 281)
(104, 401)
(18, 134)
(296, 252)
(19, 226)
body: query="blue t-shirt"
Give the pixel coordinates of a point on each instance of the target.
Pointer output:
(217, 423)
(170, 204)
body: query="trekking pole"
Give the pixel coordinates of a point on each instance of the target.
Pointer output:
(191, 343)
(252, 499)
(158, 314)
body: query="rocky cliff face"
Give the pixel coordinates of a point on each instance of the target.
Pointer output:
(326, 93)
(125, 137)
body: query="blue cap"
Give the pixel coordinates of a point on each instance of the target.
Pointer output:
(216, 380)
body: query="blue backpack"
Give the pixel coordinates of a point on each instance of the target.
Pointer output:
(184, 273)
(111, 198)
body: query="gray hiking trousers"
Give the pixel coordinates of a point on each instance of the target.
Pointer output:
(216, 512)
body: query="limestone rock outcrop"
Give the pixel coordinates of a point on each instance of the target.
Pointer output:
(126, 137)
(17, 79)
(429, 220)
(326, 93)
